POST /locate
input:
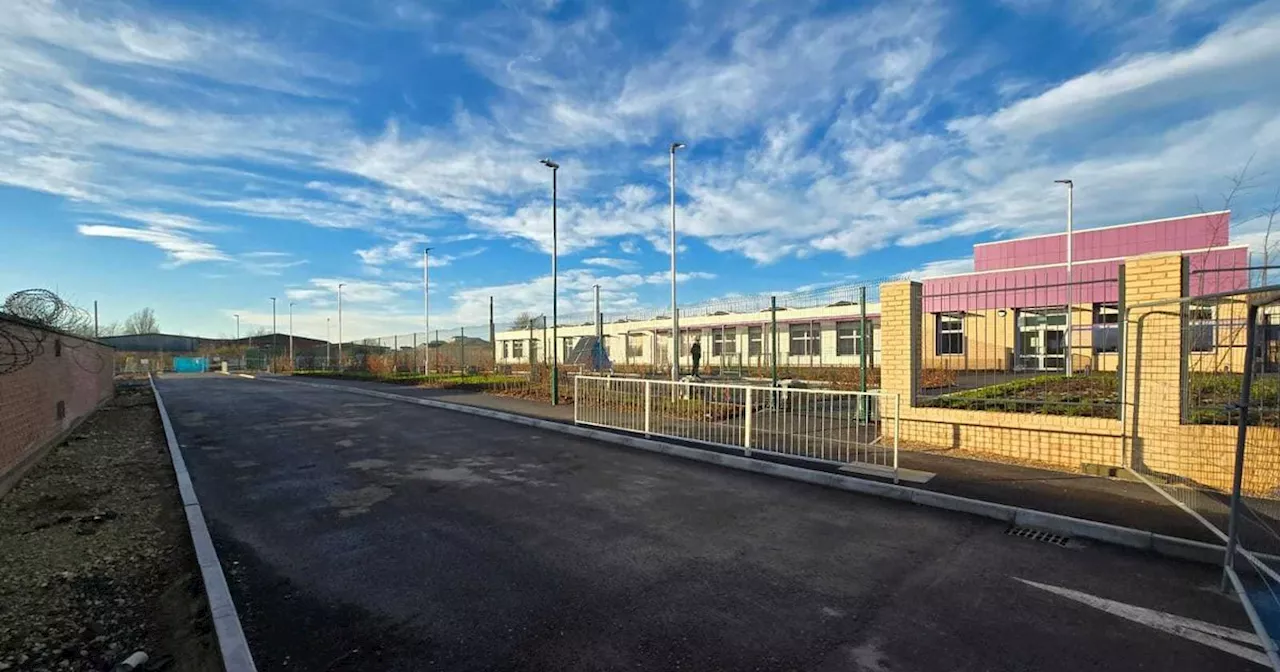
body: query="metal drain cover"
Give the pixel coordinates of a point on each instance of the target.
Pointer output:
(1038, 535)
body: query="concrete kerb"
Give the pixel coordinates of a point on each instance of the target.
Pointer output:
(226, 621)
(1173, 547)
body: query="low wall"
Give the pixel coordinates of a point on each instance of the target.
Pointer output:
(1053, 441)
(48, 381)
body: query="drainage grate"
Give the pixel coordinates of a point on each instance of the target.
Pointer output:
(1038, 535)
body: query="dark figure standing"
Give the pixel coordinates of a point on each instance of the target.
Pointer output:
(696, 353)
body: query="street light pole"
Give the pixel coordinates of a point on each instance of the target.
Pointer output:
(271, 363)
(340, 286)
(291, 359)
(327, 361)
(598, 360)
(426, 314)
(1071, 188)
(237, 326)
(555, 260)
(675, 310)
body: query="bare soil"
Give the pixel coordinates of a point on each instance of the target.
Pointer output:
(95, 558)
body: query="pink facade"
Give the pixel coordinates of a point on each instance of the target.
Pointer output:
(1032, 273)
(1192, 232)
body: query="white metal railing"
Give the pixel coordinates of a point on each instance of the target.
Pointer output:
(832, 426)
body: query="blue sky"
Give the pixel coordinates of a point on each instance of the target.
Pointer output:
(201, 157)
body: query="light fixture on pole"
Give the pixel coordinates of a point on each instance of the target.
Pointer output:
(555, 322)
(675, 308)
(340, 286)
(271, 361)
(426, 312)
(291, 360)
(1071, 188)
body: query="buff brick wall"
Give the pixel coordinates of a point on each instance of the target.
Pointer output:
(35, 379)
(1152, 436)
(1056, 441)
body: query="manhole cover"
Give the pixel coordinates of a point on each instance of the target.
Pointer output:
(1038, 535)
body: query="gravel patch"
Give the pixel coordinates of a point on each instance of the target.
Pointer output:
(95, 558)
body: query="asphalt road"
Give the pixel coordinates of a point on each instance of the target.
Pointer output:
(363, 534)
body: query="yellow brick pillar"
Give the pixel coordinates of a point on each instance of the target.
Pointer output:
(1155, 361)
(900, 340)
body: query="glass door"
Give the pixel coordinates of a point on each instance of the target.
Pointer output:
(1042, 339)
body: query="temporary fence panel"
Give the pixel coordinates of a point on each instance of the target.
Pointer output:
(824, 425)
(1202, 427)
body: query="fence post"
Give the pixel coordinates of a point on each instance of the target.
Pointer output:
(462, 350)
(648, 405)
(1242, 432)
(746, 423)
(897, 431)
(862, 348)
(773, 320)
(575, 400)
(415, 353)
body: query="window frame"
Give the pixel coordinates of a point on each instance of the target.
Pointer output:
(1207, 325)
(851, 344)
(1104, 330)
(755, 341)
(724, 341)
(939, 332)
(811, 338)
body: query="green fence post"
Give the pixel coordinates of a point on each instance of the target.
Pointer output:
(773, 319)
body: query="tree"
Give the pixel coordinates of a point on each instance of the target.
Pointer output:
(142, 322)
(1267, 246)
(525, 320)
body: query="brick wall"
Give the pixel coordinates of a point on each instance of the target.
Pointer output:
(40, 369)
(1056, 441)
(1151, 437)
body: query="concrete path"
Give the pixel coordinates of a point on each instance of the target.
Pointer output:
(362, 534)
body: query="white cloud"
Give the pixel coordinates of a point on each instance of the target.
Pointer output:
(179, 247)
(941, 267)
(611, 262)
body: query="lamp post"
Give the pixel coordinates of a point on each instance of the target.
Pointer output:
(555, 322)
(237, 326)
(675, 310)
(598, 360)
(1071, 188)
(327, 361)
(340, 286)
(271, 364)
(291, 359)
(426, 314)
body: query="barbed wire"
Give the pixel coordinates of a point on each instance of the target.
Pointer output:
(21, 342)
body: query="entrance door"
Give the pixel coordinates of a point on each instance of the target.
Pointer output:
(1042, 339)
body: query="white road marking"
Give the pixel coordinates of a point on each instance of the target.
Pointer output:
(1209, 634)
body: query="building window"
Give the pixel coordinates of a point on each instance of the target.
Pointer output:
(724, 341)
(849, 337)
(506, 349)
(635, 345)
(1106, 327)
(1203, 328)
(755, 341)
(517, 349)
(566, 347)
(950, 337)
(805, 339)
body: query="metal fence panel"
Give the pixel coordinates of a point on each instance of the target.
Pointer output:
(831, 426)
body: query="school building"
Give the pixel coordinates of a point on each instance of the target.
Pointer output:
(1009, 314)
